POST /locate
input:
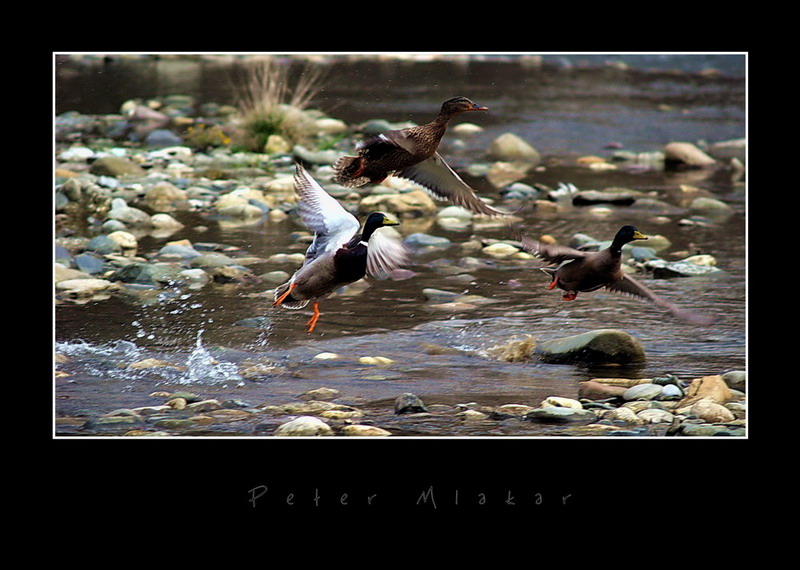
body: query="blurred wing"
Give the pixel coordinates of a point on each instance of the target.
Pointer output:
(385, 252)
(375, 147)
(321, 213)
(442, 182)
(632, 287)
(550, 252)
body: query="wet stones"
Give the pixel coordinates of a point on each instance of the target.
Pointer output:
(599, 346)
(304, 426)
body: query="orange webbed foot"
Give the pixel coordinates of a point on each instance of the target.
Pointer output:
(312, 322)
(282, 298)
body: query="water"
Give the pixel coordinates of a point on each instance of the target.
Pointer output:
(213, 335)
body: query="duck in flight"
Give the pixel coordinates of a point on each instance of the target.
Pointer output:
(341, 253)
(411, 153)
(576, 271)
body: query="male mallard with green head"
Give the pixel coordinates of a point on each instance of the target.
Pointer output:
(574, 271)
(341, 253)
(412, 153)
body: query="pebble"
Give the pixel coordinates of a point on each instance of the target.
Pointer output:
(409, 403)
(375, 360)
(642, 392)
(358, 430)
(304, 426)
(559, 414)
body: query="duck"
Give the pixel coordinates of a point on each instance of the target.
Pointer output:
(576, 271)
(412, 153)
(341, 252)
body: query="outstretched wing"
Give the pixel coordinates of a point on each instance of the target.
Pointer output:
(631, 286)
(322, 214)
(385, 252)
(442, 182)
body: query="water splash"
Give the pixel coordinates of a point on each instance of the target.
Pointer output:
(202, 368)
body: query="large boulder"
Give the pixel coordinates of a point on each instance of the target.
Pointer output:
(602, 346)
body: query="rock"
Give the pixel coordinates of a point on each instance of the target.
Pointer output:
(440, 295)
(510, 147)
(165, 221)
(513, 409)
(711, 412)
(626, 415)
(203, 406)
(115, 166)
(711, 207)
(86, 287)
(409, 403)
(500, 250)
(642, 392)
(708, 430)
(128, 215)
(472, 415)
(671, 392)
(502, 174)
(358, 430)
(407, 204)
(686, 154)
(713, 388)
(326, 356)
(455, 212)
(559, 402)
(656, 416)
(211, 260)
(324, 394)
(103, 245)
(419, 241)
(667, 269)
(560, 415)
(125, 240)
(277, 144)
(375, 360)
(304, 426)
(163, 196)
(728, 150)
(89, 264)
(736, 379)
(616, 196)
(599, 346)
(599, 391)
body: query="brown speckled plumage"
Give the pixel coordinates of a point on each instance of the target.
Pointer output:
(412, 153)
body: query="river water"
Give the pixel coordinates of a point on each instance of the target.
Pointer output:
(572, 106)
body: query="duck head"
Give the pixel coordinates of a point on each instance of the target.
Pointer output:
(460, 105)
(374, 221)
(627, 234)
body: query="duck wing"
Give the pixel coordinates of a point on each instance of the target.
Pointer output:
(390, 140)
(442, 182)
(385, 253)
(551, 253)
(631, 286)
(323, 214)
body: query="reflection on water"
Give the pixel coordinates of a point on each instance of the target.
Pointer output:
(211, 335)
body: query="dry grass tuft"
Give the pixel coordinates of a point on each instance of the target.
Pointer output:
(269, 106)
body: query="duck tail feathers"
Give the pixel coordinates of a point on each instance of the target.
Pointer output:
(289, 302)
(348, 171)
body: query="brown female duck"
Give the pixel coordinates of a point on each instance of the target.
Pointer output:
(412, 153)
(574, 271)
(340, 254)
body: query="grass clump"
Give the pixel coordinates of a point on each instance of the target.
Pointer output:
(268, 105)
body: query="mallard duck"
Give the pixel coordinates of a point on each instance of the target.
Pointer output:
(411, 153)
(574, 271)
(340, 253)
